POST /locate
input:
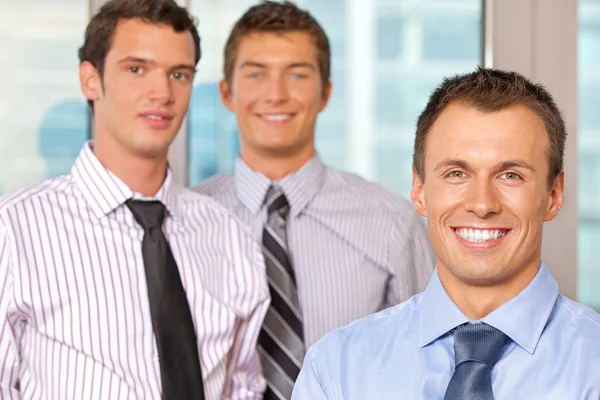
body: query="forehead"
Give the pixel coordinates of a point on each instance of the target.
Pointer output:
(485, 138)
(154, 41)
(277, 47)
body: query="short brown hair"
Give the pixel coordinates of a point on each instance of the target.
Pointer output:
(491, 90)
(101, 29)
(276, 17)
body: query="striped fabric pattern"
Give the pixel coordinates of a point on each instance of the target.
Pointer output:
(356, 248)
(281, 344)
(74, 314)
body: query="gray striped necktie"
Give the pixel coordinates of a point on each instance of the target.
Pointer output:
(281, 340)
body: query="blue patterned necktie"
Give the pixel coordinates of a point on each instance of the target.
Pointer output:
(476, 350)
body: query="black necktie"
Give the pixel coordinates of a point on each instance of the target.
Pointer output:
(180, 372)
(281, 340)
(476, 350)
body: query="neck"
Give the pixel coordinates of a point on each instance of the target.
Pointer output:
(277, 166)
(140, 174)
(478, 300)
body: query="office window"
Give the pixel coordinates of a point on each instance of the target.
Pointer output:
(43, 115)
(387, 57)
(589, 153)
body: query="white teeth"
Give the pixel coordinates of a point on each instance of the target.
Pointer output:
(277, 117)
(479, 235)
(155, 117)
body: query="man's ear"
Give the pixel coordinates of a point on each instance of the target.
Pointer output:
(326, 95)
(90, 81)
(555, 200)
(226, 95)
(417, 194)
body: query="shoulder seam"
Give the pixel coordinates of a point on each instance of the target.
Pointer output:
(573, 314)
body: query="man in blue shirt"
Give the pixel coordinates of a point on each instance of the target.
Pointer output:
(488, 172)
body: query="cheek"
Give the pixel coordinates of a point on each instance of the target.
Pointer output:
(126, 95)
(183, 94)
(526, 204)
(440, 199)
(245, 94)
(308, 95)
(118, 97)
(242, 104)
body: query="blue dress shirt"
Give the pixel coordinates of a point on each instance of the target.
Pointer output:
(406, 352)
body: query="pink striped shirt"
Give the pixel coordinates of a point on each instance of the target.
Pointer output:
(74, 313)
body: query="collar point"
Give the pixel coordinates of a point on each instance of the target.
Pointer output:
(528, 347)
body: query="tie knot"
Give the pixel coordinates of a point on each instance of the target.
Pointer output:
(277, 202)
(478, 342)
(149, 214)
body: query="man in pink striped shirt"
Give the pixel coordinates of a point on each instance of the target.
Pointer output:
(83, 314)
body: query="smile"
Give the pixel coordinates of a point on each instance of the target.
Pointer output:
(276, 117)
(156, 117)
(480, 235)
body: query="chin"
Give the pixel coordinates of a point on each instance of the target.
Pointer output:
(479, 272)
(485, 275)
(278, 149)
(151, 152)
(481, 280)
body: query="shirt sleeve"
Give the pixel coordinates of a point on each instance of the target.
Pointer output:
(410, 258)
(10, 334)
(244, 375)
(309, 384)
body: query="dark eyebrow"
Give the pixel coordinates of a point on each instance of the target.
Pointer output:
(184, 66)
(137, 60)
(451, 163)
(146, 61)
(498, 167)
(300, 64)
(252, 64)
(515, 164)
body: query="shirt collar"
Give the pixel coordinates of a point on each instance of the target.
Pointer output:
(299, 187)
(250, 186)
(438, 312)
(522, 318)
(105, 192)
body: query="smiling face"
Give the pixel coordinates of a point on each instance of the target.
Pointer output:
(485, 194)
(276, 92)
(143, 95)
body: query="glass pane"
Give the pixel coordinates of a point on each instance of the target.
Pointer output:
(42, 112)
(589, 153)
(398, 50)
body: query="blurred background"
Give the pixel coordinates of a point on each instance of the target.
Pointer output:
(387, 56)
